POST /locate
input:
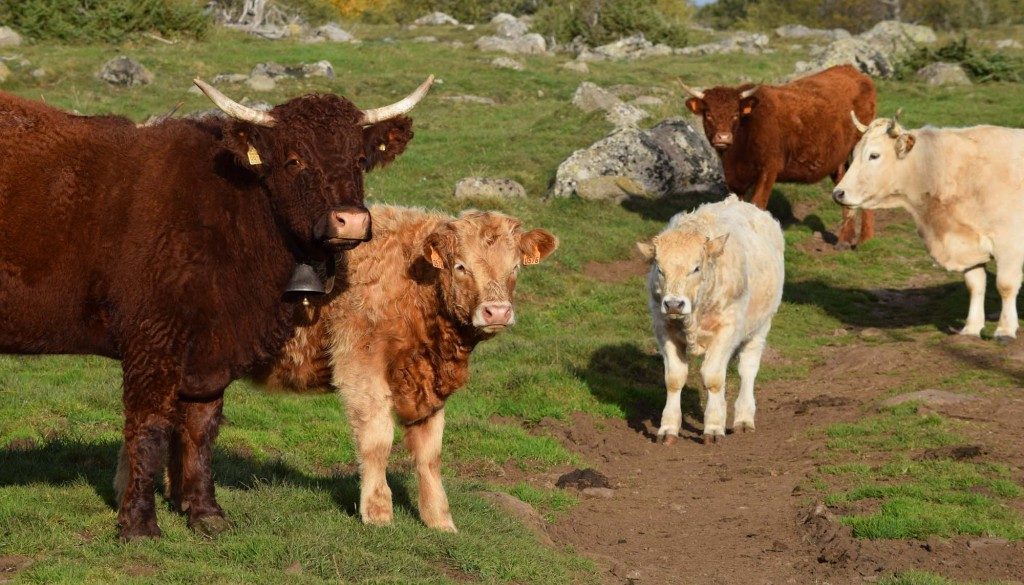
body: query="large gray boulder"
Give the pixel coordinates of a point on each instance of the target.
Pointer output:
(435, 19)
(799, 31)
(627, 48)
(528, 44)
(671, 158)
(855, 51)
(943, 74)
(487, 188)
(509, 26)
(330, 32)
(750, 43)
(126, 72)
(277, 71)
(9, 37)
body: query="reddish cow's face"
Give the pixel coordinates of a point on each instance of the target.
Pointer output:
(723, 110)
(311, 153)
(478, 257)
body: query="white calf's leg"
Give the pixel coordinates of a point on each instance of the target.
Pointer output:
(369, 413)
(676, 371)
(424, 442)
(749, 364)
(975, 279)
(1008, 277)
(713, 373)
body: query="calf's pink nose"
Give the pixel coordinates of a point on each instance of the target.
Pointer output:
(497, 313)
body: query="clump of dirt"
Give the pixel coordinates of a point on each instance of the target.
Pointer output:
(954, 452)
(836, 543)
(582, 479)
(616, 271)
(819, 401)
(11, 565)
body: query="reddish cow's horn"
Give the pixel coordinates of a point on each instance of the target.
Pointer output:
(697, 94)
(749, 92)
(861, 126)
(233, 108)
(398, 108)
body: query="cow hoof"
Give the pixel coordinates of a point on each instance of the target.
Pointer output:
(744, 427)
(1004, 339)
(139, 532)
(669, 440)
(969, 332)
(842, 246)
(211, 525)
(711, 439)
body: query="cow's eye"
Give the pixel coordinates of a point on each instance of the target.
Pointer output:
(873, 156)
(696, 269)
(460, 267)
(294, 163)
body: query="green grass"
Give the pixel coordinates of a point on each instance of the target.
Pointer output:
(285, 465)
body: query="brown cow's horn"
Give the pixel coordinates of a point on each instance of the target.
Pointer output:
(697, 94)
(398, 108)
(861, 126)
(749, 92)
(233, 108)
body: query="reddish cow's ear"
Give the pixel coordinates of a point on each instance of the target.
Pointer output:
(438, 246)
(384, 141)
(904, 144)
(747, 105)
(535, 245)
(714, 247)
(696, 105)
(240, 139)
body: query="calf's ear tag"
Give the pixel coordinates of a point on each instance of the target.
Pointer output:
(254, 157)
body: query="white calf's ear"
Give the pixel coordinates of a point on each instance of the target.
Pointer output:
(714, 247)
(904, 144)
(646, 250)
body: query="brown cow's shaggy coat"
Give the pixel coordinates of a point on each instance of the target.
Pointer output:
(799, 132)
(419, 297)
(168, 247)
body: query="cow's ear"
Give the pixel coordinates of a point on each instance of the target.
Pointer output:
(241, 140)
(647, 250)
(438, 246)
(715, 246)
(535, 245)
(384, 141)
(747, 105)
(904, 144)
(696, 105)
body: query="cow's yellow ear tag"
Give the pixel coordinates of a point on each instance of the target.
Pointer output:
(382, 147)
(254, 157)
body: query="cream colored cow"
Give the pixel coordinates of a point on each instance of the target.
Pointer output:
(715, 283)
(964, 187)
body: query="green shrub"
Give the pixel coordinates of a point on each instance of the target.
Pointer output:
(603, 21)
(103, 20)
(982, 65)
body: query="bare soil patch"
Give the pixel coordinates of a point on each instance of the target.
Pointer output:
(11, 565)
(616, 271)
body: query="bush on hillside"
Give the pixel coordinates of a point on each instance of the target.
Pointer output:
(980, 64)
(602, 21)
(84, 21)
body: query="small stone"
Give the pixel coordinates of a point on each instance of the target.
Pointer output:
(425, 39)
(507, 63)
(126, 72)
(480, 187)
(576, 66)
(229, 78)
(526, 514)
(9, 37)
(261, 82)
(435, 19)
(318, 69)
(38, 73)
(332, 32)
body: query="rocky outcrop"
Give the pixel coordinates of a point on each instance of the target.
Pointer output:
(590, 98)
(528, 44)
(125, 72)
(671, 158)
(875, 52)
(943, 74)
(435, 19)
(9, 37)
(486, 188)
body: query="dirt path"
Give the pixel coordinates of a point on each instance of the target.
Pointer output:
(736, 511)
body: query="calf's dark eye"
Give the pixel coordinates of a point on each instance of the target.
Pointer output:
(873, 156)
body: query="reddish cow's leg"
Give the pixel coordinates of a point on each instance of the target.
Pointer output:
(848, 227)
(424, 442)
(763, 189)
(190, 473)
(150, 389)
(867, 225)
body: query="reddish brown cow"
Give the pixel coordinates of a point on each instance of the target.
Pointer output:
(799, 132)
(168, 247)
(397, 339)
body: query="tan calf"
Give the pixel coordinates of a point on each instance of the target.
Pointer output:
(419, 297)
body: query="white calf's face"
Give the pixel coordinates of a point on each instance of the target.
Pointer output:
(684, 263)
(879, 169)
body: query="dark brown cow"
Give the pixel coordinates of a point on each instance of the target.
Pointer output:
(168, 247)
(799, 132)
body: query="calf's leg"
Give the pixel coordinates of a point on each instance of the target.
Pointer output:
(676, 370)
(190, 473)
(975, 280)
(749, 363)
(369, 412)
(713, 374)
(1008, 278)
(423, 440)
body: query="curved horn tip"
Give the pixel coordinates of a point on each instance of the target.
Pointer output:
(861, 126)
(399, 108)
(750, 92)
(233, 108)
(697, 94)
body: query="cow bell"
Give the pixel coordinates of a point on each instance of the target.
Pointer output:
(305, 283)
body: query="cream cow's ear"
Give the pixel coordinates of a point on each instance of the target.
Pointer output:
(646, 250)
(714, 247)
(904, 144)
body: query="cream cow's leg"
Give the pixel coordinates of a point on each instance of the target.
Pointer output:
(749, 363)
(1008, 278)
(713, 374)
(975, 279)
(676, 371)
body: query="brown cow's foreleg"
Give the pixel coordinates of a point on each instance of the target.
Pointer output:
(424, 442)
(763, 189)
(848, 228)
(150, 388)
(190, 473)
(867, 225)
